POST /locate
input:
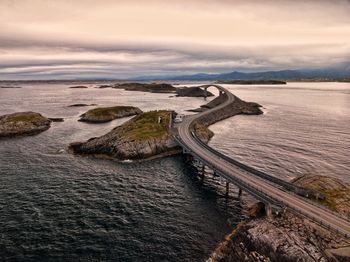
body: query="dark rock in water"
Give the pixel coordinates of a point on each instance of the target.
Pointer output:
(78, 87)
(193, 91)
(56, 119)
(104, 86)
(144, 136)
(81, 105)
(23, 123)
(10, 87)
(145, 87)
(106, 114)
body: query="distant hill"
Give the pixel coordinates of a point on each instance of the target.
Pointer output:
(316, 74)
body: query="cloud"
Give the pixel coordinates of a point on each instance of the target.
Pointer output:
(119, 39)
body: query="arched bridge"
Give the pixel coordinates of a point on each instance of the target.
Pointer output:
(272, 191)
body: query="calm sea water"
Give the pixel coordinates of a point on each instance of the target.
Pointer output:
(59, 207)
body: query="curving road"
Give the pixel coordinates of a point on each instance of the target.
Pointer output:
(253, 184)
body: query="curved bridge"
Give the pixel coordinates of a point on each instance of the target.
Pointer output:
(272, 191)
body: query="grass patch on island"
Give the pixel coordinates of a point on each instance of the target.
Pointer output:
(153, 124)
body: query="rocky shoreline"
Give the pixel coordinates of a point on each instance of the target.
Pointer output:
(289, 237)
(23, 123)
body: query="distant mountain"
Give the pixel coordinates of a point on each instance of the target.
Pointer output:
(316, 74)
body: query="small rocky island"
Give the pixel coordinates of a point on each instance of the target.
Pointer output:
(23, 123)
(106, 114)
(193, 91)
(78, 87)
(290, 237)
(146, 87)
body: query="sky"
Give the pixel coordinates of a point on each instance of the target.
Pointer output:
(66, 39)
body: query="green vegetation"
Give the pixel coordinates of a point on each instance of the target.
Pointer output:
(336, 193)
(147, 126)
(332, 196)
(24, 118)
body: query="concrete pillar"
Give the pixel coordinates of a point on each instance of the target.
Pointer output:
(268, 210)
(227, 188)
(205, 93)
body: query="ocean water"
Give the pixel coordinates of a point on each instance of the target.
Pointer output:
(59, 207)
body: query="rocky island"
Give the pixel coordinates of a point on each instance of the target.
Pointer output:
(23, 123)
(106, 114)
(193, 91)
(290, 237)
(78, 87)
(146, 87)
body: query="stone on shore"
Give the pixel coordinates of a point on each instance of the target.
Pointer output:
(23, 123)
(106, 114)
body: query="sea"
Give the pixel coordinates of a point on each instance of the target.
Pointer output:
(56, 206)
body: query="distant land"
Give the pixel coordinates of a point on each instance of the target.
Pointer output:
(332, 74)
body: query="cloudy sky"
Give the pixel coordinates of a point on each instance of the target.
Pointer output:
(66, 39)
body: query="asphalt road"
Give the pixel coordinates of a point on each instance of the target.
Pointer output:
(234, 173)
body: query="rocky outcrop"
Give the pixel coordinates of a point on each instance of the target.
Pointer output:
(193, 91)
(289, 238)
(23, 123)
(145, 87)
(336, 193)
(145, 136)
(10, 87)
(106, 114)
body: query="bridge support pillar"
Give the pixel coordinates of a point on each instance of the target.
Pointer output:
(205, 93)
(268, 210)
(227, 188)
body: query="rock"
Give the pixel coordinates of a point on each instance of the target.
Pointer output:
(10, 87)
(81, 105)
(78, 87)
(23, 123)
(106, 114)
(145, 87)
(56, 119)
(266, 239)
(336, 193)
(193, 91)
